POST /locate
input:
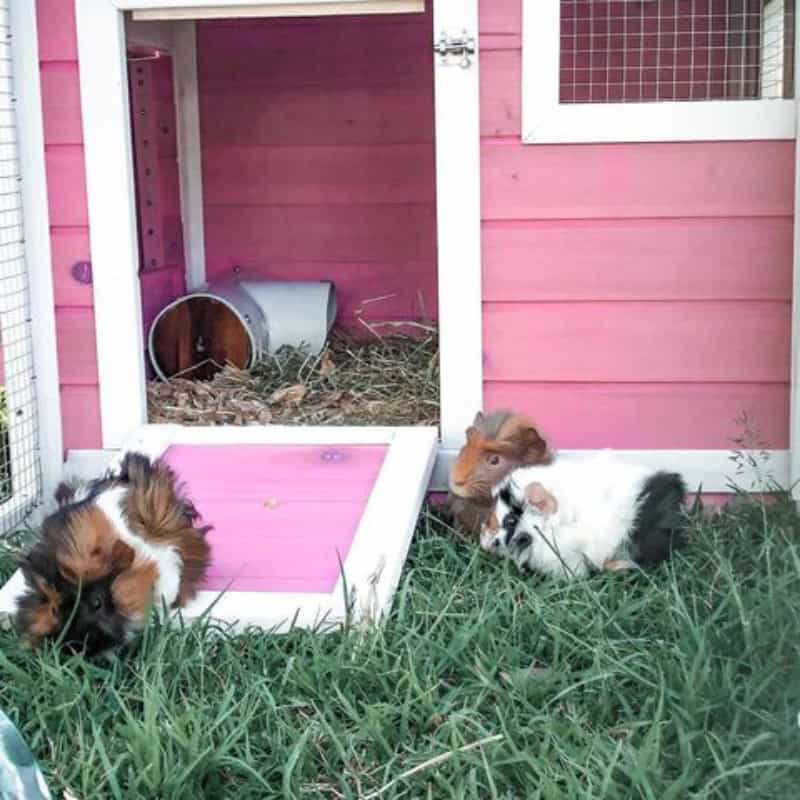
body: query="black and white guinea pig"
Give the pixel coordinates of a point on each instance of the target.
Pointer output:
(581, 514)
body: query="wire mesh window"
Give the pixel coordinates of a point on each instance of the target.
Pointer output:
(19, 460)
(618, 51)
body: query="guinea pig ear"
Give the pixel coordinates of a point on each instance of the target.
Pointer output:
(479, 420)
(534, 447)
(64, 493)
(122, 556)
(537, 496)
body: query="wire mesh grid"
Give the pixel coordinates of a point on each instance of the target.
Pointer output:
(19, 446)
(628, 51)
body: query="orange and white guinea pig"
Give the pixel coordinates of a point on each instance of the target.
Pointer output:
(115, 546)
(497, 444)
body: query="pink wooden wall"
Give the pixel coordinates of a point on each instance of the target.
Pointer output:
(69, 231)
(162, 269)
(318, 156)
(635, 296)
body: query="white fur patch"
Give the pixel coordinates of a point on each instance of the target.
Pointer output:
(598, 500)
(167, 559)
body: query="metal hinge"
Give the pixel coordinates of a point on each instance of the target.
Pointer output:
(463, 46)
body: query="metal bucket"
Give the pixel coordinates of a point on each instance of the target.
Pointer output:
(240, 322)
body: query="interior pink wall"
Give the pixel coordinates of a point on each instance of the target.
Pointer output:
(69, 231)
(318, 158)
(635, 296)
(162, 269)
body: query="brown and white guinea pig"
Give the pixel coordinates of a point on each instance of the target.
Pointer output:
(497, 443)
(115, 546)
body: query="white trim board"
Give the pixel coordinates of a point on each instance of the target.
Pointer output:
(113, 235)
(373, 565)
(112, 217)
(794, 401)
(36, 221)
(547, 121)
(287, 8)
(458, 224)
(712, 470)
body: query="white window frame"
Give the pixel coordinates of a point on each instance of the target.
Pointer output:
(373, 565)
(545, 120)
(112, 214)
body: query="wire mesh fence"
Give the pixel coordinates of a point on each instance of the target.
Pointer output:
(19, 446)
(629, 51)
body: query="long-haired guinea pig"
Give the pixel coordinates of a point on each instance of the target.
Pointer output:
(114, 547)
(496, 444)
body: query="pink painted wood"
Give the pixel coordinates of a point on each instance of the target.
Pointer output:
(712, 179)
(658, 416)
(317, 157)
(61, 103)
(590, 228)
(77, 357)
(308, 115)
(375, 174)
(66, 173)
(70, 246)
(80, 417)
(56, 29)
(639, 259)
(637, 342)
(283, 517)
(66, 188)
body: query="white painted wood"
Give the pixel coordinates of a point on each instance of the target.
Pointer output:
(112, 218)
(160, 35)
(30, 134)
(318, 8)
(545, 120)
(458, 220)
(376, 558)
(176, 5)
(190, 162)
(794, 401)
(712, 470)
(378, 549)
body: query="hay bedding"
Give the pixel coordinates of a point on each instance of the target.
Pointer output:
(392, 380)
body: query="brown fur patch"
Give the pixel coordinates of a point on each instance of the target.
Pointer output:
(45, 618)
(158, 512)
(132, 591)
(493, 524)
(91, 549)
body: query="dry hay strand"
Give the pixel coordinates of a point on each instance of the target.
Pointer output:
(389, 380)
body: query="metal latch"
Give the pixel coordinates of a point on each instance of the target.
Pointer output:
(463, 46)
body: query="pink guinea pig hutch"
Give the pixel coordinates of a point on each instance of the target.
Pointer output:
(595, 199)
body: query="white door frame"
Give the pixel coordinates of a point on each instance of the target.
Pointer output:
(794, 402)
(36, 223)
(112, 216)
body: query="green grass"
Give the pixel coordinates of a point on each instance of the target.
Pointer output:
(682, 684)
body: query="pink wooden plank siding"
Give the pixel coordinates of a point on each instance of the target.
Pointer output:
(318, 156)
(69, 233)
(635, 296)
(283, 517)
(162, 268)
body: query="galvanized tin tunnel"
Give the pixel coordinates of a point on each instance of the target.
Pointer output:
(239, 322)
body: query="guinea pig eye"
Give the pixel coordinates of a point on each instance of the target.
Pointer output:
(96, 603)
(493, 459)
